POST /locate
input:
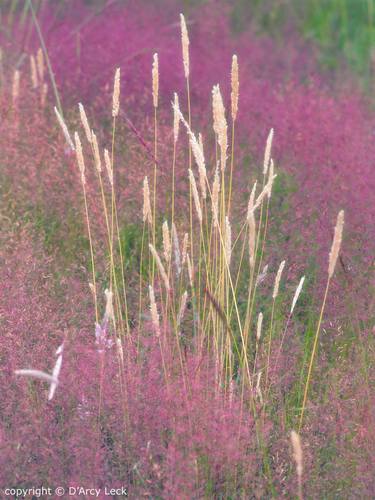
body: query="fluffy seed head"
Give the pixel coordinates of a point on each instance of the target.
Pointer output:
(79, 155)
(116, 94)
(109, 313)
(147, 216)
(108, 166)
(215, 196)
(297, 293)
(40, 63)
(33, 72)
(98, 162)
(154, 311)
(182, 310)
(297, 451)
(160, 267)
(185, 46)
(277, 280)
(235, 87)
(176, 248)
(267, 152)
(85, 122)
(220, 124)
(155, 80)
(190, 270)
(64, 129)
(252, 227)
(167, 248)
(195, 196)
(176, 118)
(16, 86)
(43, 95)
(185, 243)
(336, 244)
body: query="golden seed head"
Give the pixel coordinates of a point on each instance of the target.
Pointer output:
(190, 270)
(185, 46)
(16, 86)
(195, 196)
(297, 293)
(40, 63)
(80, 160)
(235, 87)
(155, 80)
(154, 311)
(185, 243)
(267, 152)
(336, 243)
(33, 72)
(167, 247)
(252, 226)
(109, 314)
(43, 96)
(64, 129)
(176, 247)
(277, 280)
(108, 166)
(297, 451)
(220, 124)
(215, 196)
(160, 266)
(85, 122)
(116, 94)
(98, 162)
(176, 118)
(147, 216)
(182, 310)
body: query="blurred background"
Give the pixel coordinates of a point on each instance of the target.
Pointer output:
(341, 31)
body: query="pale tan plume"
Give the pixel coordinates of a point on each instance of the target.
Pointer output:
(95, 146)
(154, 311)
(40, 64)
(64, 129)
(85, 122)
(147, 215)
(33, 72)
(267, 152)
(195, 196)
(176, 118)
(16, 86)
(160, 266)
(116, 94)
(277, 280)
(336, 243)
(235, 87)
(155, 80)
(108, 166)
(220, 124)
(79, 155)
(185, 46)
(167, 247)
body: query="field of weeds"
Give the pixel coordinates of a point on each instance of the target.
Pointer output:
(187, 210)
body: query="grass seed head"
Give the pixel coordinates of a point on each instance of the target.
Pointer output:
(155, 80)
(235, 87)
(116, 94)
(185, 46)
(336, 243)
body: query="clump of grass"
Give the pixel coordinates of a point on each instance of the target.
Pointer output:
(207, 271)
